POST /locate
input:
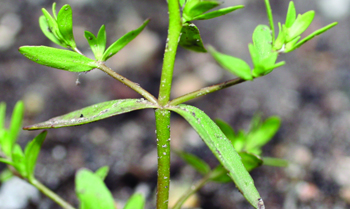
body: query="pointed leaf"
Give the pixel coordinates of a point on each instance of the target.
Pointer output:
(58, 58)
(18, 160)
(6, 161)
(221, 148)
(92, 192)
(300, 25)
(226, 129)
(31, 153)
(312, 35)
(198, 164)
(93, 113)
(53, 27)
(102, 172)
(98, 45)
(54, 13)
(250, 161)
(5, 143)
(194, 8)
(235, 65)
(44, 26)
(291, 15)
(220, 175)
(123, 41)
(16, 125)
(217, 13)
(280, 38)
(65, 25)
(191, 38)
(136, 201)
(264, 134)
(276, 162)
(2, 115)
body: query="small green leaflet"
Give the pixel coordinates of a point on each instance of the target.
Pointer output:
(198, 164)
(31, 153)
(191, 38)
(221, 148)
(102, 172)
(65, 25)
(92, 192)
(93, 113)
(58, 58)
(136, 201)
(194, 8)
(97, 44)
(217, 13)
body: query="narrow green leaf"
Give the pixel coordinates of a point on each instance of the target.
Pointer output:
(93, 113)
(5, 143)
(234, 65)
(220, 175)
(92, 192)
(291, 44)
(31, 153)
(300, 25)
(16, 124)
(226, 129)
(44, 26)
(221, 148)
(18, 160)
(262, 41)
(194, 8)
(191, 38)
(6, 161)
(5, 175)
(312, 35)
(97, 45)
(136, 201)
(65, 25)
(58, 58)
(53, 27)
(250, 161)
(217, 13)
(102, 172)
(264, 134)
(54, 11)
(291, 15)
(198, 164)
(2, 115)
(276, 162)
(280, 38)
(239, 141)
(270, 17)
(123, 41)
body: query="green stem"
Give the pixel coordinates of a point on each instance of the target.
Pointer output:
(51, 194)
(136, 87)
(205, 91)
(269, 15)
(170, 51)
(163, 148)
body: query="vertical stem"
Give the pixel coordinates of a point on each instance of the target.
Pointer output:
(163, 148)
(269, 15)
(170, 51)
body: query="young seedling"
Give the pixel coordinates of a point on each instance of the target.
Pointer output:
(237, 153)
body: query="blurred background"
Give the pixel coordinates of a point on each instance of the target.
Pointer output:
(311, 94)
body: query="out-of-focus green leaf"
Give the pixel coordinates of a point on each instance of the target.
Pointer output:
(123, 41)
(97, 44)
(300, 25)
(58, 58)
(312, 35)
(226, 129)
(136, 201)
(221, 148)
(53, 27)
(291, 15)
(264, 134)
(93, 113)
(194, 8)
(220, 175)
(54, 13)
(280, 38)
(235, 65)
(44, 26)
(198, 164)
(31, 153)
(191, 38)
(6, 161)
(291, 44)
(102, 172)
(262, 41)
(65, 25)
(15, 128)
(182, 2)
(250, 161)
(19, 160)
(217, 13)
(92, 192)
(276, 162)
(239, 141)
(5, 175)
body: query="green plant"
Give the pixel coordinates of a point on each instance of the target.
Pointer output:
(228, 148)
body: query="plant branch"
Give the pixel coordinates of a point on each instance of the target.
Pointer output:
(163, 148)
(134, 86)
(51, 194)
(205, 91)
(174, 31)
